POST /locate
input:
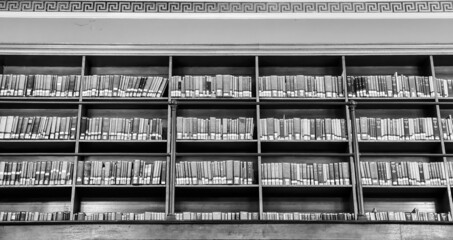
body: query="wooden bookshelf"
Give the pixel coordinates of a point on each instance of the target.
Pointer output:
(170, 198)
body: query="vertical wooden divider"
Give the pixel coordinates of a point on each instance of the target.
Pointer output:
(442, 141)
(258, 131)
(352, 164)
(75, 203)
(171, 150)
(359, 208)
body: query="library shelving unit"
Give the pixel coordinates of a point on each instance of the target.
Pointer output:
(171, 198)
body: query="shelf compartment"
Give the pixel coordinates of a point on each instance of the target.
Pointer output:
(220, 158)
(51, 100)
(35, 199)
(33, 64)
(407, 190)
(37, 146)
(405, 199)
(324, 199)
(206, 146)
(212, 65)
(304, 146)
(443, 66)
(216, 198)
(124, 100)
(120, 199)
(421, 146)
(387, 65)
(128, 65)
(123, 146)
(217, 105)
(300, 65)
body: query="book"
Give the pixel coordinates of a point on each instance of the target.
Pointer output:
(397, 129)
(305, 173)
(303, 129)
(27, 173)
(38, 127)
(310, 216)
(20, 85)
(218, 86)
(124, 86)
(136, 172)
(229, 172)
(390, 86)
(300, 86)
(214, 128)
(223, 216)
(104, 128)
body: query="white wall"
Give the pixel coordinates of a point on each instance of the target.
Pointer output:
(218, 31)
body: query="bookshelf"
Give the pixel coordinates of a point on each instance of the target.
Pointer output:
(171, 198)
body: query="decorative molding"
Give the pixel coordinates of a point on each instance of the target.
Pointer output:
(110, 6)
(225, 49)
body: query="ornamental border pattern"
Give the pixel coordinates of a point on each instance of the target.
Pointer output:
(107, 6)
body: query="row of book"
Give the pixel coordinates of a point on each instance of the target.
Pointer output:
(213, 128)
(397, 129)
(403, 173)
(305, 174)
(450, 171)
(24, 216)
(123, 86)
(398, 86)
(303, 129)
(18, 127)
(447, 127)
(215, 172)
(301, 86)
(194, 216)
(36, 173)
(120, 216)
(444, 87)
(299, 216)
(415, 215)
(137, 172)
(218, 86)
(19, 85)
(104, 128)
(34, 216)
(296, 86)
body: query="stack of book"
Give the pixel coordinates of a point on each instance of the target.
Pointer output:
(305, 174)
(119, 216)
(403, 173)
(415, 215)
(450, 171)
(123, 86)
(214, 172)
(397, 86)
(444, 87)
(17, 127)
(447, 127)
(399, 129)
(137, 172)
(36, 173)
(34, 216)
(104, 128)
(214, 128)
(184, 216)
(39, 85)
(219, 86)
(299, 216)
(303, 129)
(301, 86)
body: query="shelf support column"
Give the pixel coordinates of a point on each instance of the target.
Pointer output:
(355, 141)
(172, 167)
